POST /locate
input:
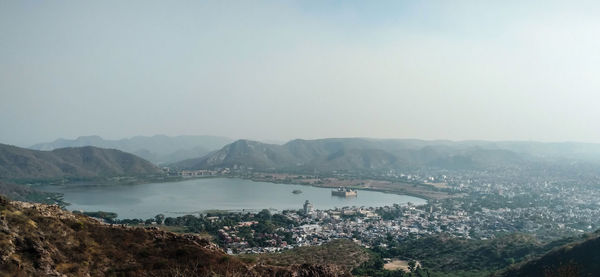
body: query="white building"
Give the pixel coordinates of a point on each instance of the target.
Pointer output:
(308, 207)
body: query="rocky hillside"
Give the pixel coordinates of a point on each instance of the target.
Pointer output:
(42, 240)
(80, 162)
(571, 260)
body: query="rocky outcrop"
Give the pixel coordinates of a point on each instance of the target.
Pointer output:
(44, 240)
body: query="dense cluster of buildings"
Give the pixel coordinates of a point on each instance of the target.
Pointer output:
(549, 205)
(548, 210)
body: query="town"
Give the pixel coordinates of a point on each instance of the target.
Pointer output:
(484, 207)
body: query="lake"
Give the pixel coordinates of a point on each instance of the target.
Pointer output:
(198, 195)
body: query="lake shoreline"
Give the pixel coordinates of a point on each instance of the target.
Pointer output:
(425, 196)
(201, 195)
(403, 190)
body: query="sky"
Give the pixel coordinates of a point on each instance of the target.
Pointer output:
(458, 70)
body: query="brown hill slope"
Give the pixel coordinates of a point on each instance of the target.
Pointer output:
(42, 240)
(574, 259)
(80, 162)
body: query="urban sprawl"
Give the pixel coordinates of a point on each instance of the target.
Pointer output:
(484, 206)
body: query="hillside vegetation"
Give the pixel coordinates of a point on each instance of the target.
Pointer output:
(81, 162)
(443, 253)
(26, 193)
(358, 154)
(41, 240)
(574, 259)
(343, 253)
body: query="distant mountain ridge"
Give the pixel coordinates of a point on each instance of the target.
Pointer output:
(382, 154)
(78, 162)
(158, 149)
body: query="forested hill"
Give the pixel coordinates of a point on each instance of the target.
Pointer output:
(382, 154)
(78, 162)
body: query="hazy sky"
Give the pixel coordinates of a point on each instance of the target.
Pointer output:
(518, 70)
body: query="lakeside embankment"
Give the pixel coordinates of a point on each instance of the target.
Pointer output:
(420, 190)
(425, 191)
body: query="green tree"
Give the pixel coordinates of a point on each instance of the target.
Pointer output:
(169, 221)
(264, 215)
(159, 218)
(412, 265)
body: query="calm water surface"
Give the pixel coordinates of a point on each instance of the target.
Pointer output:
(197, 195)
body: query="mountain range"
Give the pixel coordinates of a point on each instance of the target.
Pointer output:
(158, 149)
(384, 154)
(73, 162)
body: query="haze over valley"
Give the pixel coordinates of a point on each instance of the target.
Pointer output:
(300, 138)
(471, 191)
(158, 149)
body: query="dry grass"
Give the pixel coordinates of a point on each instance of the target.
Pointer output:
(396, 264)
(39, 240)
